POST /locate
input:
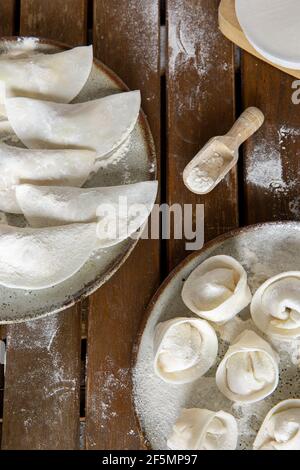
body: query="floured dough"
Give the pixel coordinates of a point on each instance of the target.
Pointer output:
(281, 428)
(119, 210)
(101, 125)
(217, 290)
(184, 349)
(54, 77)
(275, 308)
(41, 258)
(50, 167)
(272, 27)
(249, 370)
(198, 429)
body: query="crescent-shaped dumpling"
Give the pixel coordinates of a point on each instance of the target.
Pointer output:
(217, 290)
(54, 77)
(249, 370)
(123, 208)
(198, 429)
(275, 307)
(280, 429)
(41, 258)
(50, 167)
(184, 349)
(101, 125)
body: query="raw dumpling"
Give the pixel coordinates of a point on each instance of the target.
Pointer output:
(217, 290)
(198, 429)
(275, 308)
(249, 370)
(40, 258)
(184, 349)
(119, 210)
(101, 125)
(58, 77)
(57, 167)
(280, 429)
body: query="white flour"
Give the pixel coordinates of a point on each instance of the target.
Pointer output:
(203, 176)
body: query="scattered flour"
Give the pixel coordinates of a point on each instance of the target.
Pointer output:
(203, 176)
(267, 168)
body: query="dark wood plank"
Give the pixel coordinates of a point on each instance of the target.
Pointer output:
(200, 94)
(41, 405)
(126, 38)
(7, 11)
(42, 382)
(272, 156)
(62, 20)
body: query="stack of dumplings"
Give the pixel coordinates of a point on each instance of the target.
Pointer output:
(185, 348)
(64, 145)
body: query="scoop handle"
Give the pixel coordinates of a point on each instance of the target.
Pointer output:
(245, 126)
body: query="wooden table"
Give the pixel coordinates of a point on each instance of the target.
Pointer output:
(67, 382)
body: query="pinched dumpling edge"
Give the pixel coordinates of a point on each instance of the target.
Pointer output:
(228, 309)
(209, 342)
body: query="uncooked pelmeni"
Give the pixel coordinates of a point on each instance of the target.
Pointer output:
(275, 307)
(119, 210)
(54, 77)
(41, 258)
(280, 429)
(249, 370)
(198, 429)
(272, 27)
(51, 167)
(184, 349)
(217, 290)
(101, 125)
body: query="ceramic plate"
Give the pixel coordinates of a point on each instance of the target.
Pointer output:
(263, 250)
(135, 162)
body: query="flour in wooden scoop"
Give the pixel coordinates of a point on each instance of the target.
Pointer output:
(210, 165)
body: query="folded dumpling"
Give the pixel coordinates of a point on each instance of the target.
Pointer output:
(280, 429)
(101, 125)
(41, 258)
(54, 77)
(119, 210)
(50, 167)
(184, 349)
(275, 308)
(217, 290)
(249, 370)
(198, 429)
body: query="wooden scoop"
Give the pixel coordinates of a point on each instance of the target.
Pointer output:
(220, 154)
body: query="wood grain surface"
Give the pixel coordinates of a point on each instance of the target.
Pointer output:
(7, 17)
(126, 38)
(272, 156)
(201, 105)
(42, 382)
(62, 20)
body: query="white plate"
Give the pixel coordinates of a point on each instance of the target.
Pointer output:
(264, 250)
(272, 27)
(138, 163)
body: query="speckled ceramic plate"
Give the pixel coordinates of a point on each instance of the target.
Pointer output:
(264, 250)
(135, 162)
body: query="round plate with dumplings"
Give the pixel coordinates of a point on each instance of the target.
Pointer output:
(263, 250)
(137, 163)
